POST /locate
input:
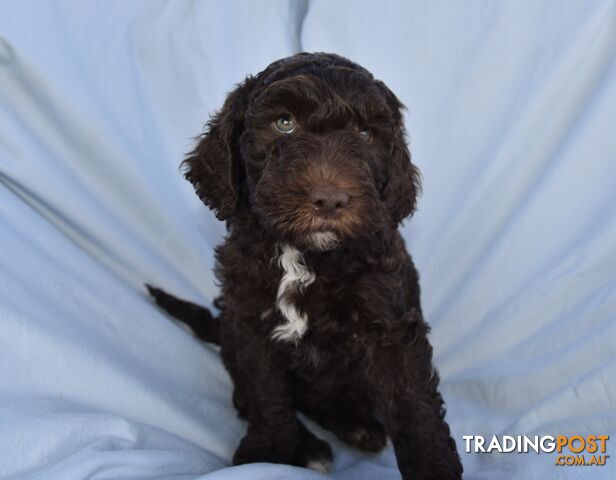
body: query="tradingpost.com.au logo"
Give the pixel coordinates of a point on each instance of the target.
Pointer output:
(572, 450)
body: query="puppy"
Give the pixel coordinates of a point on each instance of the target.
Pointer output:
(320, 310)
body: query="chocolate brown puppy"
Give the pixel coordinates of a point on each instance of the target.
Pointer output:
(320, 308)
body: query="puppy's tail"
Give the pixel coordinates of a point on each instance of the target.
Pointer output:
(198, 318)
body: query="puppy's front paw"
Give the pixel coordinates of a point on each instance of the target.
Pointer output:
(258, 447)
(370, 437)
(365, 434)
(301, 448)
(316, 453)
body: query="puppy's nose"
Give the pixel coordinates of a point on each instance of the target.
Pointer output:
(328, 199)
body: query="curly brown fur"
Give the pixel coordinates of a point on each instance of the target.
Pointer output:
(321, 299)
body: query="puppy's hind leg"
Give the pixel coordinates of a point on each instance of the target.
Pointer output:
(198, 318)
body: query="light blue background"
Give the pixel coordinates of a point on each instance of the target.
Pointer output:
(511, 118)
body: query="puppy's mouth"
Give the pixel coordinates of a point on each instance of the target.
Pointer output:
(322, 241)
(314, 232)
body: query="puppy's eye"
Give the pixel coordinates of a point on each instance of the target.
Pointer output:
(364, 134)
(285, 124)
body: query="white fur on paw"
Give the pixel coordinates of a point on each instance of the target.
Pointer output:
(321, 465)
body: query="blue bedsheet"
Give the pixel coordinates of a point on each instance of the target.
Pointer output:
(511, 114)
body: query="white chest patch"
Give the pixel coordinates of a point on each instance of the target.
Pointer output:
(295, 278)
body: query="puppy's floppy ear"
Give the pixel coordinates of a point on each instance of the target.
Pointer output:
(213, 167)
(404, 181)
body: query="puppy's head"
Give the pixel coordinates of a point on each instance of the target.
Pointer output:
(315, 147)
